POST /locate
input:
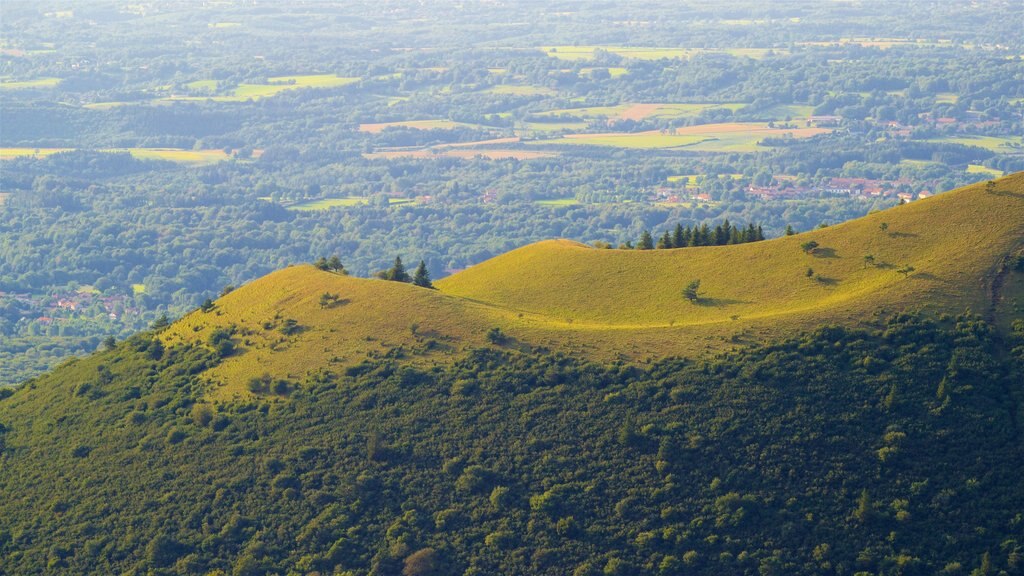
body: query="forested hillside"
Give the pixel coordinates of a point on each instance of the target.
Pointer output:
(894, 450)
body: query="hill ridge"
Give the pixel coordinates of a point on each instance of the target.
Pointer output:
(940, 254)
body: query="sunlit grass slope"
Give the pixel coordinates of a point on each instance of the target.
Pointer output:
(371, 318)
(952, 241)
(628, 304)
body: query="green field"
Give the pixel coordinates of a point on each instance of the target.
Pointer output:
(737, 137)
(574, 53)
(998, 144)
(558, 202)
(614, 71)
(10, 153)
(275, 86)
(376, 127)
(138, 289)
(517, 90)
(979, 169)
(638, 111)
(29, 84)
(692, 178)
(643, 141)
(180, 156)
(328, 203)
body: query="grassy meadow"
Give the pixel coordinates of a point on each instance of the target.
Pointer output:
(177, 155)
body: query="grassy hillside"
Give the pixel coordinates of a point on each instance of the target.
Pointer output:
(628, 304)
(394, 436)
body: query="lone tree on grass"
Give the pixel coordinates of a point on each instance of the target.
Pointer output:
(906, 271)
(809, 247)
(809, 273)
(421, 277)
(869, 260)
(692, 291)
(207, 305)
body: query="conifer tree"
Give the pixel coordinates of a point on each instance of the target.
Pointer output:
(397, 271)
(789, 230)
(679, 237)
(645, 242)
(422, 277)
(665, 241)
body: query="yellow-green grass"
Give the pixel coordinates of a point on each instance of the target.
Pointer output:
(517, 90)
(314, 80)
(979, 169)
(692, 178)
(554, 126)
(180, 156)
(138, 288)
(10, 153)
(573, 53)
(202, 85)
(946, 98)
(30, 84)
(729, 137)
(3, 197)
(1000, 144)
(328, 203)
(225, 24)
(614, 71)
(87, 289)
(558, 202)
(371, 317)
(636, 111)
(793, 111)
(608, 304)
(107, 105)
(374, 128)
(278, 84)
(637, 141)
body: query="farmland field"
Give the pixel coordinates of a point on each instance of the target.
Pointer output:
(998, 144)
(979, 169)
(277, 85)
(180, 156)
(730, 137)
(558, 202)
(374, 128)
(48, 82)
(328, 203)
(10, 153)
(573, 53)
(517, 90)
(491, 154)
(634, 111)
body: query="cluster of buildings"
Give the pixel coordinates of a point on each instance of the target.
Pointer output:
(69, 304)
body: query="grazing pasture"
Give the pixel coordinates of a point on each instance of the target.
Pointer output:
(726, 137)
(177, 155)
(34, 83)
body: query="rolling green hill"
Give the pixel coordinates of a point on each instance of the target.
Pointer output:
(857, 423)
(628, 304)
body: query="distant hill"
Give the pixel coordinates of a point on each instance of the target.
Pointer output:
(558, 410)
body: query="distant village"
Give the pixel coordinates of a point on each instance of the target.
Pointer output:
(53, 310)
